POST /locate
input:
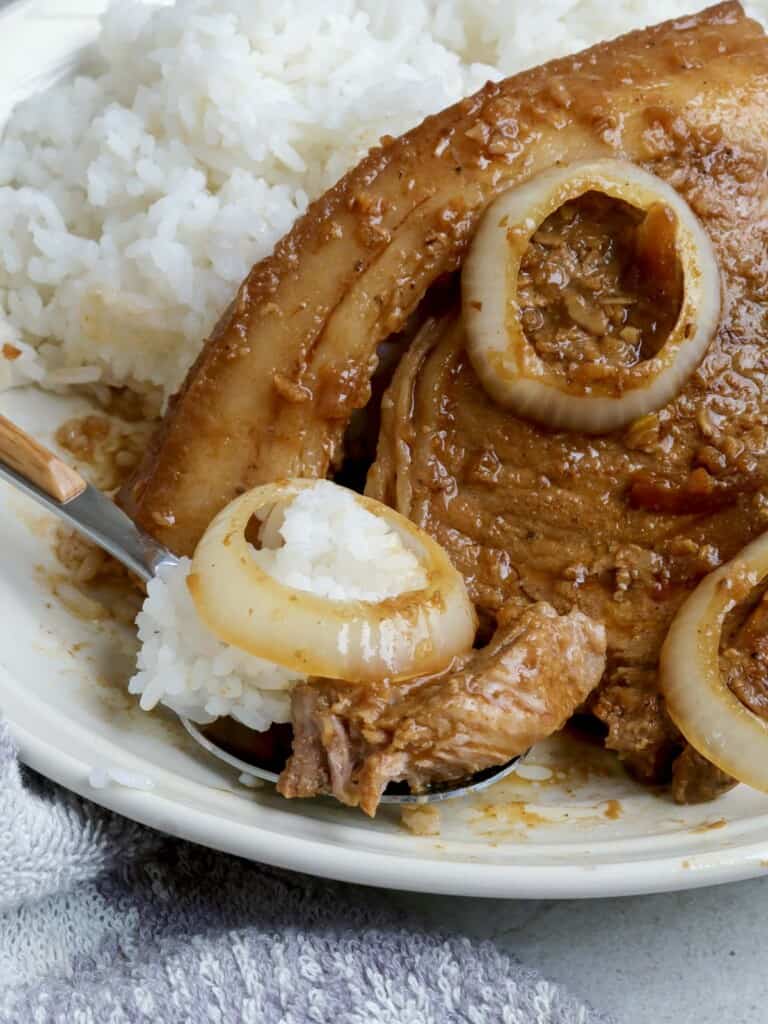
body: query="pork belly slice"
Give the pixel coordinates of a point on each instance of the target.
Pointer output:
(291, 359)
(494, 704)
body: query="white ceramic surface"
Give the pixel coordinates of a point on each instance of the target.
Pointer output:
(585, 831)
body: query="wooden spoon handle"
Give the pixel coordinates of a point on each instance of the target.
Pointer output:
(40, 466)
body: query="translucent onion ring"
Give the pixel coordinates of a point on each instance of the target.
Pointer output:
(701, 705)
(507, 363)
(417, 632)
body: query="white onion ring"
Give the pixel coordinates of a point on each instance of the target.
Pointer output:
(701, 705)
(417, 632)
(509, 366)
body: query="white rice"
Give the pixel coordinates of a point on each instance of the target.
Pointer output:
(326, 543)
(133, 200)
(330, 546)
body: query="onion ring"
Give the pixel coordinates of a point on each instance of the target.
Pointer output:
(417, 632)
(508, 365)
(701, 705)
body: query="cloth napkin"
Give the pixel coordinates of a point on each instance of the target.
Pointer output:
(103, 921)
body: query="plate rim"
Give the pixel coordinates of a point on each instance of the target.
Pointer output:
(348, 863)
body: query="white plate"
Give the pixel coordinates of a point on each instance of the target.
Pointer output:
(585, 831)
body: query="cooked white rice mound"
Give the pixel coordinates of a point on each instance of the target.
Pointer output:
(134, 200)
(183, 665)
(328, 545)
(325, 542)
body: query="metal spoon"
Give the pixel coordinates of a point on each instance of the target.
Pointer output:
(43, 476)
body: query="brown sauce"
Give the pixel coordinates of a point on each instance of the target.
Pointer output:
(590, 301)
(106, 448)
(96, 585)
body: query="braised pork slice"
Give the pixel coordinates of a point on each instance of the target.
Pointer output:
(291, 359)
(529, 514)
(495, 703)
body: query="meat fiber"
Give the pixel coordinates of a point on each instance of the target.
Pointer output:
(492, 705)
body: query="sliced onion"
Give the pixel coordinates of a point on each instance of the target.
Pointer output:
(414, 633)
(507, 363)
(701, 705)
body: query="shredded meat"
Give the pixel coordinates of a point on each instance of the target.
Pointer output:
(593, 298)
(494, 704)
(695, 780)
(648, 743)
(639, 729)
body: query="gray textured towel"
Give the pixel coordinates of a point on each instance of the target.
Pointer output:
(104, 922)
